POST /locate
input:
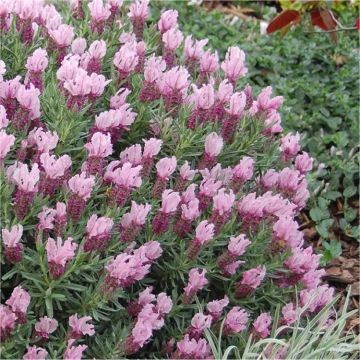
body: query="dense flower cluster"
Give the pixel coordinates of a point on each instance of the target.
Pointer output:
(123, 162)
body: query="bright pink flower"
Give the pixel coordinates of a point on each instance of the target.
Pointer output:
(269, 179)
(138, 13)
(35, 353)
(190, 211)
(79, 85)
(235, 320)
(74, 352)
(192, 349)
(55, 168)
(289, 180)
(261, 325)
(12, 237)
(126, 176)
(38, 61)
(186, 173)
(46, 218)
(45, 141)
(49, 17)
(225, 91)
(237, 104)
(170, 201)
(132, 154)
(78, 46)
(290, 314)
(100, 145)
(285, 232)
(272, 123)
(209, 62)
(264, 103)
(97, 85)
(213, 145)
(237, 245)
(172, 39)
(28, 99)
(136, 216)
(244, 170)
(165, 167)
(80, 326)
(119, 98)
(26, 180)
(216, 307)
(314, 300)
(46, 326)
(97, 49)
(204, 97)
(193, 49)
(98, 232)
(19, 302)
(98, 11)
(208, 189)
(223, 201)
(7, 322)
(82, 186)
(231, 268)
(290, 146)
(302, 261)
(163, 304)
(250, 209)
(199, 323)
(152, 147)
(59, 252)
(6, 142)
(141, 333)
(303, 163)
(154, 67)
(146, 296)
(234, 64)
(254, 277)
(196, 282)
(2, 69)
(4, 121)
(204, 232)
(63, 35)
(168, 20)
(125, 60)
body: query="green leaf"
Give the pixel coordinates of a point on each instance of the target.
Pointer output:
(317, 214)
(350, 191)
(332, 195)
(323, 228)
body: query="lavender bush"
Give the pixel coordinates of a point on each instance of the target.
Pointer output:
(148, 196)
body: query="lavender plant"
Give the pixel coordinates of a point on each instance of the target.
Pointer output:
(141, 177)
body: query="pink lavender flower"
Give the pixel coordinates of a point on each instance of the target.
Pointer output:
(26, 182)
(164, 169)
(26, 12)
(186, 175)
(49, 18)
(236, 247)
(208, 189)
(19, 302)
(290, 146)
(270, 179)
(36, 65)
(138, 13)
(286, 233)
(11, 240)
(96, 53)
(74, 352)
(303, 163)
(209, 63)
(97, 86)
(127, 268)
(45, 326)
(7, 322)
(35, 353)
(202, 101)
(6, 142)
(289, 314)
(234, 64)
(223, 203)
(250, 209)
(199, 323)
(189, 212)
(132, 222)
(81, 187)
(125, 61)
(4, 121)
(242, 172)
(168, 20)
(213, 147)
(132, 154)
(261, 325)
(8, 92)
(216, 307)
(192, 349)
(58, 254)
(54, 172)
(145, 297)
(99, 14)
(152, 147)
(314, 300)
(115, 6)
(223, 95)
(98, 233)
(272, 123)
(173, 87)
(119, 99)
(169, 204)
(196, 282)
(237, 105)
(62, 38)
(265, 103)
(60, 218)
(80, 326)
(28, 98)
(46, 222)
(98, 149)
(2, 68)
(78, 46)
(235, 321)
(203, 234)
(251, 280)
(78, 87)
(43, 141)
(193, 49)
(172, 40)
(125, 178)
